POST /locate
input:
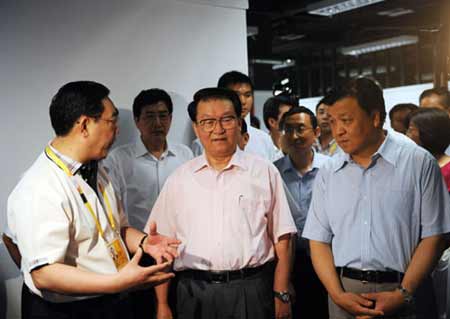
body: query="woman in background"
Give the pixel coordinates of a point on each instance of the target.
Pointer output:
(430, 128)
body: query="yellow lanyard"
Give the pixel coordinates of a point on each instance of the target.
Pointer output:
(49, 152)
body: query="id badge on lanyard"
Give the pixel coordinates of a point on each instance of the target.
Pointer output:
(115, 245)
(118, 252)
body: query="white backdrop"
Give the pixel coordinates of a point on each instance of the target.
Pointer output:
(177, 45)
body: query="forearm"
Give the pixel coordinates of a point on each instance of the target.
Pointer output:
(132, 237)
(66, 279)
(162, 293)
(283, 263)
(323, 262)
(423, 261)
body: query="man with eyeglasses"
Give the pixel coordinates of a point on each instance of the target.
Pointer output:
(260, 142)
(140, 169)
(230, 210)
(299, 130)
(67, 227)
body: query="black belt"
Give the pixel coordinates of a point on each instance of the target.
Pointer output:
(218, 277)
(371, 275)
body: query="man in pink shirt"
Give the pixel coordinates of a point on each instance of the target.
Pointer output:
(229, 210)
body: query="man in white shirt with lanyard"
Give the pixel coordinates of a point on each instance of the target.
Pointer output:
(68, 224)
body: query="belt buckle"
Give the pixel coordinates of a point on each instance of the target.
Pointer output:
(220, 277)
(365, 276)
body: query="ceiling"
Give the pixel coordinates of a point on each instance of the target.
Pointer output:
(285, 29)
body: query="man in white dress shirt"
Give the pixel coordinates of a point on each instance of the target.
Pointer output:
(140, 169)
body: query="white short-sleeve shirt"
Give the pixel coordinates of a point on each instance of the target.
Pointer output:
(47, 218)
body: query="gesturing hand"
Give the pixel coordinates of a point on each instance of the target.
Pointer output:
(133, 275)
(161, 248)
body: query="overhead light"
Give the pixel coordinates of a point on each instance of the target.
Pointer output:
(266, 61)
(379, 45)
(395, 12)
(285, 81)
(291, 37)
(276, 64)
(367, 71)
(285, 64)
(332, 7)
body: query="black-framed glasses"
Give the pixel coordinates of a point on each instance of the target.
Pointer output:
(299, 129)
(227, 123)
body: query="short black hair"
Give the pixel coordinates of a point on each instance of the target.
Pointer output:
(400, 107)
(213, 94)
(149, 97)
(232, 78)
(271, 107)
(442, 92)
(367, 92)
(243, 127)
(297, 110)
(73, 100)
(433, 125)
(328, 99)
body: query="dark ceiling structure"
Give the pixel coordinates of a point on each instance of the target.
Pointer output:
(315, 47)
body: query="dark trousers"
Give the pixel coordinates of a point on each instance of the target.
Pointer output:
(249, 298)
(105, 307)
(311, 299)
(142, 303)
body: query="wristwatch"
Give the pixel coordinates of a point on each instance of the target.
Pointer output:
(407, 296)
(284, 296)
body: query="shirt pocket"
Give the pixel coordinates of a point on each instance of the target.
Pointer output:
(254, 214)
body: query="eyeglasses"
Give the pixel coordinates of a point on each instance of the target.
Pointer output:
(153, 116)
(227, 123)
(300, 130)
(114, 120)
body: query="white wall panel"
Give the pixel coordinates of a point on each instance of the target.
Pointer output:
(177, 45)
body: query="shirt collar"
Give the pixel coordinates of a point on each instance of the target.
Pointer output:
(388, 150)
(141, 150)
(71, 164)
(287, 164)
(237, 160)
(327, 147)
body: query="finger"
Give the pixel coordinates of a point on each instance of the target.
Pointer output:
(370, 295)
(168, 257)
(156, 268)
(366, 302)
(137, 256)
(152, 229)
(173, 251)
(368, 312)
(173, 242)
